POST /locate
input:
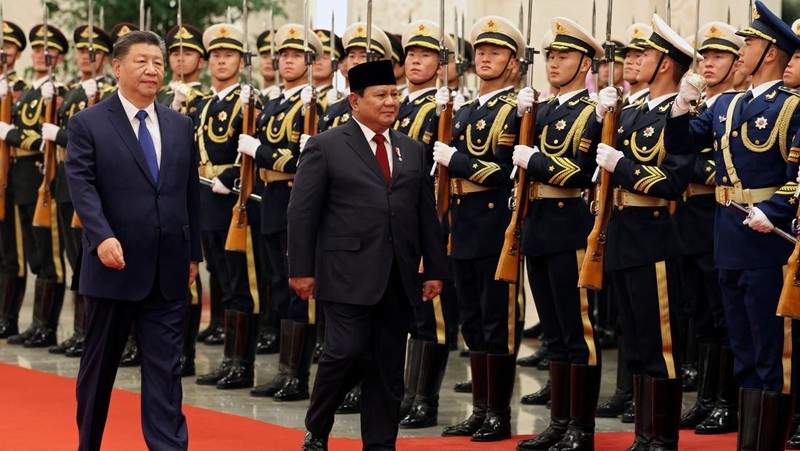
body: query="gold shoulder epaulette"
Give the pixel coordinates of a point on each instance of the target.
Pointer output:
(428, 98)
(632, 105)
(510, 99)
(589, 101)
(789, 90)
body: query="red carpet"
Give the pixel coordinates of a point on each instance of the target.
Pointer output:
(37, 412)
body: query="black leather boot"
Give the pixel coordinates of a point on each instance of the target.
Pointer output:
(723, 416)
(131, 355)
(775, 420)
(314, 443)
(643, 406)
(749, 413)
(268, 343)
(425, 408)
(304, 338)
(227, 353)
(623, 393)
(241, 374)
(707, 386)
(191, 324)
(214, 334)
(477, 365)
(79, 325)
(584, 391)
(667, 395)
(539, 398)
(52, 302)
(268, 337)
(500, 382)
(13, 292)
(463, 386)
(269, 389)
(559, 410)
(536, 358)
(411, 374)
(62, 347)
(794, 440)
(534, 331)
(21, 338)
(352, 402)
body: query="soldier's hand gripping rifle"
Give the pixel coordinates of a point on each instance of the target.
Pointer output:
(310, 118)
(508, 264)
(44, 201)
(237, 231)
(445, 129)
(591, 273)
(5, 116)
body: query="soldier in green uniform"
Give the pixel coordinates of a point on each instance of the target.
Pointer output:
(275, 150)
(41, 244)
(12, 264)
(91, 88)
(479, 161)
(325, 68)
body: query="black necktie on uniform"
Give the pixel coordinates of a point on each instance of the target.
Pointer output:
(743, 102)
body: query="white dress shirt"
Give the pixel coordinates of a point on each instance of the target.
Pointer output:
(151, 122)
(369, 134)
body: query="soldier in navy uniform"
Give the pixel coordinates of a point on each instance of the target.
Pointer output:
(560, 166)
(398, 63)
(12, 263)
(275, 150)
(643, 246)
(755, 153)
(325, 68)
(218, 122)
(92, 87)
(714, 412)
(479, 161)
(41, 244)
(270, 87)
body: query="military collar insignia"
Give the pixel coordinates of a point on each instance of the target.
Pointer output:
(560, 125)
(761, 123)
(664, 108)
(771, 95)
(458, 124)
(480, 125)
(648, 132)
(620, 130)
(722, 118)
(345, 117)
(326, 118)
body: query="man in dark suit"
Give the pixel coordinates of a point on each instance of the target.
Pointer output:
(134, 184)
(360, 217)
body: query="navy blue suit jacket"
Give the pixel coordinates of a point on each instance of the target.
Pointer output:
(114, 194)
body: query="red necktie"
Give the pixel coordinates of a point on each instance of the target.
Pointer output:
(383, 159)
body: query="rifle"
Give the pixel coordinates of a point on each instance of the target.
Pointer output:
(310, 118)
(5, 116)
(237, 232)
(209, 183)
(591, 273)
(445, 130)
(789, 302)
(508, 264)
(42, 212)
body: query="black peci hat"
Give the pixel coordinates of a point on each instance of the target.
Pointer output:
(373, 73)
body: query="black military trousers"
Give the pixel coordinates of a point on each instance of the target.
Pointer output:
(563, 307)
(700, 281)
(48, 244)
(214, 253)
(71, 237)
(287, 304)
(25, 217)
(488, 308)
(644, 296)
(11, 253)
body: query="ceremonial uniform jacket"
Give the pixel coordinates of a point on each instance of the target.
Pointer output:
(322, 97)
(642, 235)
(197, 93)
(417, 119)
(566, 160)
(336, 115)
(758, 137)
(484, 137)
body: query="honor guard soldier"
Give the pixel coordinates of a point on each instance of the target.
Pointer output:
(354, 41)
(41, 244)
(753, 136)
(184, 91)
(218, 122)
(643, 247)
(428, 348)
(554, 237)
(325, 68)
(715, 410)
(636, 34)
(92, 87)
(275, 151)
(619, 62)
(398, 63)
(484, 134)
(12, 262)
(270, 88)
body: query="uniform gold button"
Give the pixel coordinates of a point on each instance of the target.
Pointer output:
(458, 201)
(290, 184)
(724, 179)
(205, 127)
(479, 140)
(627, 142)
(735, 134)
(461, 138)
(758, 142)
(656, 214)
(644, 148)
(561, 205)
(491, 205)
(555, 141)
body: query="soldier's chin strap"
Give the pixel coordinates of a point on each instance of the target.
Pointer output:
(577, 72)
(510, 57)
(655, 72)
(727, 74)
(763, 55)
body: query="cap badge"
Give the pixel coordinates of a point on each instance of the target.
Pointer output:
(223, 32)
(123, 31)
(560, 28)
(184, 34)
(491, 27)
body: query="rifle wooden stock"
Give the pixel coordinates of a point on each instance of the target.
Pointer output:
(591, 274)
(508, 264)
(76, 221)
(789, 302)
(443, 174)
(41, 215)
(5, 116)
(310, 119)
(237, 232)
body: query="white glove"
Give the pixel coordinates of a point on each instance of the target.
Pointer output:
(179, 98)
(248, 145)
(3, 88)
(303, 141)
(272, 92)
(758, 221)
(47, 91)
(525, 100)
(49, 131)
(606, 99)
(4, 129)
(607, 156)
(306, 96)
(244, 94)
(442, 98)
(522, 155)
(218, 187)
(442, 153)
(332, 96)
(89, 87)
(458, 101)
(690, 90)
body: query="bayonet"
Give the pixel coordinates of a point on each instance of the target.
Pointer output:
(141, 14)
(369, 32)
(148, 19)
(729, 14)
(334, 60)
(521, 17)
(3, 55)
(457, 51)
(750, 12)
(47, 60)
(610, 46)
(669, 13)
(102, 21)
(276, 76)
(180, 37)
(696, 37)
(444, 54)
(309, 54)
(92, 55)
(596, 59)
(248, 57)
(230, 14)
(524, 64)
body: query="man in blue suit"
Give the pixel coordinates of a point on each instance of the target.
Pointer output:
(134, 184)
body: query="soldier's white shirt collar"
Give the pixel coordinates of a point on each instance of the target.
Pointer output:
(711, 100)
(224, 93)
(485, 98)
(636, 95)
(652, 103)
(566, 97)
(412, 96)
(40, 81)
(763, 87)
(290, 92)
